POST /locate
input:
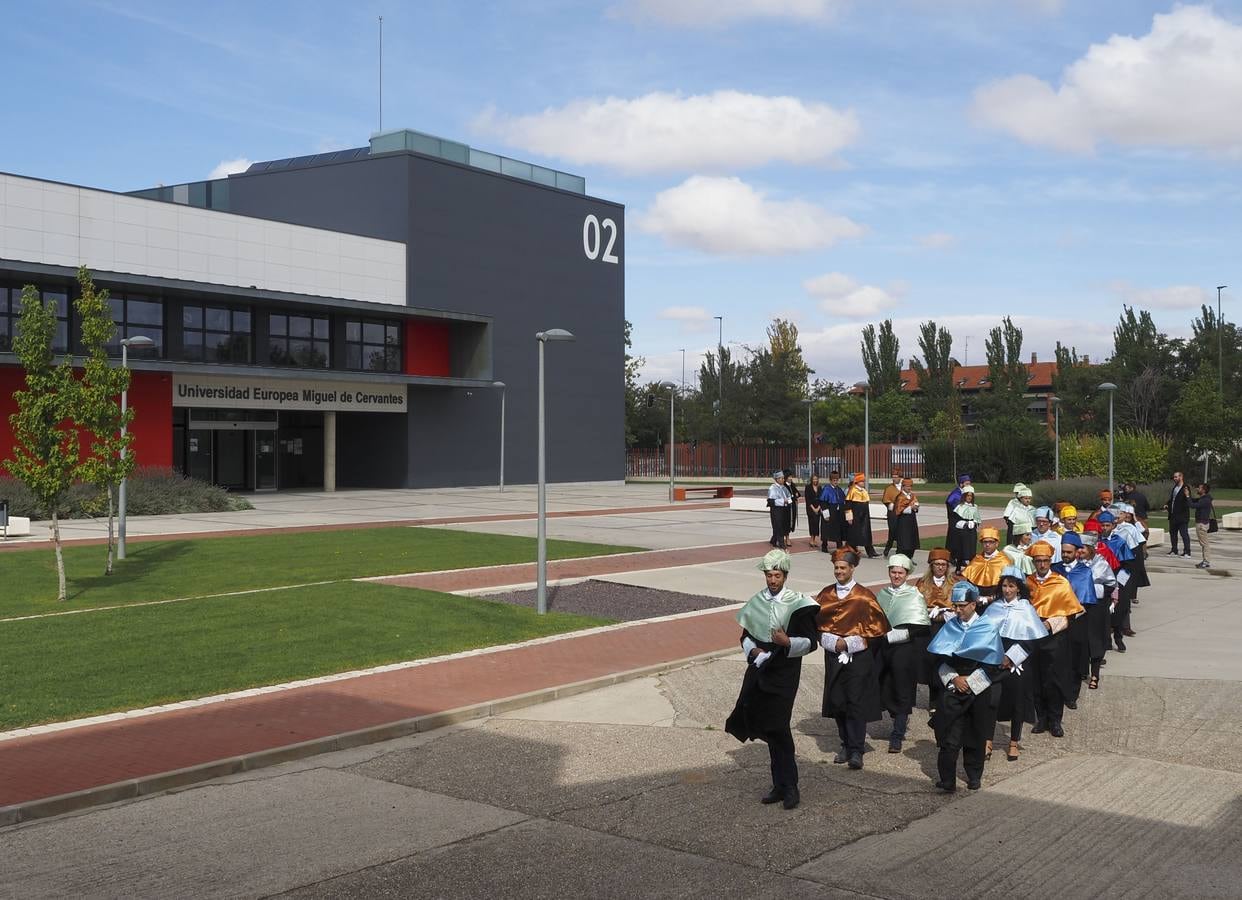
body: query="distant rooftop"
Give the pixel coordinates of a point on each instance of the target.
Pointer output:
(214, 194)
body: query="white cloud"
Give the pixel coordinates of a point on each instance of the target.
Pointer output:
(1173, 87)
(840, 295)
(227, 167)
(937, 240)
(692, 319)
(707, 13)
(661, 131)
(1178, 296)
(727, 216)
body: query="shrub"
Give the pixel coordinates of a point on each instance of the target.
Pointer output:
(1083, 492)
(150, 492)
(1138, 456)
(1010, 452)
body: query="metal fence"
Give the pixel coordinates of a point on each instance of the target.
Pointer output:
(703, 461)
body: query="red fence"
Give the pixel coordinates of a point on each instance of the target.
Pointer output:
(760, 462)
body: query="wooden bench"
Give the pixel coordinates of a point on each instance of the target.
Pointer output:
(724, 491)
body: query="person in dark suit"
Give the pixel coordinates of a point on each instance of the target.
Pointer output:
(1178, 507)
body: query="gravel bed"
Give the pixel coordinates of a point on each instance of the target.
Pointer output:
(608, 600)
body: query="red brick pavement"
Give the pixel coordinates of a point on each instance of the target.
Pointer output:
(76, 759)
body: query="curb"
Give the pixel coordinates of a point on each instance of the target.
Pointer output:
(150, 785)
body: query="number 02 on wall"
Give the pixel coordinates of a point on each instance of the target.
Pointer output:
(592, 228)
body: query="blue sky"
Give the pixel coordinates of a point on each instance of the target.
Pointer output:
(834, 162)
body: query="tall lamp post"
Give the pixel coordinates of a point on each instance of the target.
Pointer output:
(541, 592)
(138, 340)
(1056, 418)
(1111, 388)
(1220, 343)
(810, 466)
(720, 398)
(866, 389)
(672, 434)
(500, 385)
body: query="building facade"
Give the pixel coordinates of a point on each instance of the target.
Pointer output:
(342, 320)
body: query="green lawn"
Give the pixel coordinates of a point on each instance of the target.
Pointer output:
(161, 570)
(72, 666)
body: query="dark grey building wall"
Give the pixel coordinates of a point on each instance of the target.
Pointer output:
(496, 246)
(370, 450)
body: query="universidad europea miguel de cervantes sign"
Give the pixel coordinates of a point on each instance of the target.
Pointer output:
(295, 394)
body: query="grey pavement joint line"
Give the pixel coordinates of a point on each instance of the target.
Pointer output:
(153, 784)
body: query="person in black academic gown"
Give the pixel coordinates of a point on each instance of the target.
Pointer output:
(832, 510)
(778, 629)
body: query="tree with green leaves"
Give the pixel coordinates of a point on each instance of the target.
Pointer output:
(633, 391)
(1143, 367)
(98, 409)
(1202, 421)
(778, 384)
(937, 391)
(1084, 409)
(881, 359)
(1007, 372)
(45, 438)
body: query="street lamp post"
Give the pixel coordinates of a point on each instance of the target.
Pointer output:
(810, 466)
(500, 385)
(1056, 418)
(672, 434)
(720, 398)
(1111, 388)
(866, 389)
(138, 340)
(541, 591)
(1220, 344)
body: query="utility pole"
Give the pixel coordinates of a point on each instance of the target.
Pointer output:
(720, 398)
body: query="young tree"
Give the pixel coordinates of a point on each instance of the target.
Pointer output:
(937, 390)
(1007, 373)
(45, 440)
(99, 409)
(1201, 420)
(633, 392)
(1083, 407)
(1142, 352)
(880, 358)
(778, 384)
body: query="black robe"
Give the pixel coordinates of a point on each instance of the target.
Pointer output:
(833, 527)
(900, 666)
(858, 533)
(907, 533)
(1017, 689)
(765, 703)
(852, 690)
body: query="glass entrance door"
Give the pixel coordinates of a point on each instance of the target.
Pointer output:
(265, 460)
(199, 454)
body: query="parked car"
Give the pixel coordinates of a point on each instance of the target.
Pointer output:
(823, 465)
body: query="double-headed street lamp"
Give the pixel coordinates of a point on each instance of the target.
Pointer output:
(720, 398)
(810, 470)
(1112, 389)
(1220, 343)
(138, 340)
(865, 387)
(541, 588)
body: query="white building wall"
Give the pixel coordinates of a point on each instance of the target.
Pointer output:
(63, 225)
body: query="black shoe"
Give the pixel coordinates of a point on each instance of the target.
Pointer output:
(894, 746)
(841, 758)
(792, 797)
(974, 784)
(1103, 662)
(776, 795)
(1056, 730)
(1071, 704)
(1040, 727)
(1120, 644)
(824, 549)
(1173, 553)
(946, 787)
(855, 760)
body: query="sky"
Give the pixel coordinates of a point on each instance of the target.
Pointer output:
(831, 162)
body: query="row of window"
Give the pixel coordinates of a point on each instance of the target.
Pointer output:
(225, 334)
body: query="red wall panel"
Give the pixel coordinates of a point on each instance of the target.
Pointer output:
(150, 396)
(426, 348)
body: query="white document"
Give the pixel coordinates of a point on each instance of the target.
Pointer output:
(978, 681)
(1123, 577)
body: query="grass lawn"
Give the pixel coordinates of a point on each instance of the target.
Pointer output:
(72, 666)
(162, 570)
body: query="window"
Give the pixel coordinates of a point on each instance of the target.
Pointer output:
(373, 345)
(298, 340)
(217, 334)
(11, 313)
(137, 315)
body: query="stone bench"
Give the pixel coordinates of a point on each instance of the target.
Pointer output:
(1231, 521)
(1155, 537)
(19, 526)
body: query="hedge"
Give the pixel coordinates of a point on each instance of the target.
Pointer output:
(151, 491)
(991, 456)
(1138, 456)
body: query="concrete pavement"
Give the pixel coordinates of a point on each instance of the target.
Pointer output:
(633, 791)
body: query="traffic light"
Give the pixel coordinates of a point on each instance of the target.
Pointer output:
(650, 400)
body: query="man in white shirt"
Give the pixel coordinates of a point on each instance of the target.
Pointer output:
(779, 499)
